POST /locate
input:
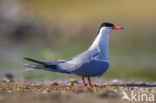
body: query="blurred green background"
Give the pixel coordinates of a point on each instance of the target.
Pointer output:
(60, 29)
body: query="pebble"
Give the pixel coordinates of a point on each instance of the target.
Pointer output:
(73, 80)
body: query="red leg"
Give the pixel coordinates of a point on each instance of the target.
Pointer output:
(90, 84)
(84, 81)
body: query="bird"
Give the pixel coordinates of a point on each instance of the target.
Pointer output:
(93, 62)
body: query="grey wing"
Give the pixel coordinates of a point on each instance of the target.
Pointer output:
(78, 61)
(79, 55)
(85, 56)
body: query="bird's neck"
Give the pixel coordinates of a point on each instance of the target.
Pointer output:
(101, 44)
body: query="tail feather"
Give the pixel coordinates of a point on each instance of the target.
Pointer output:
(33, 66)
(36, 61)
(42, 65)
(37, 66)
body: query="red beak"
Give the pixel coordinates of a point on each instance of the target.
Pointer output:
(117, 27)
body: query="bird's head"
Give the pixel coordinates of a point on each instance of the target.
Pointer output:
(109, 27)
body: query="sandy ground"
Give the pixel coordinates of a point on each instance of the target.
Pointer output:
(72, 91)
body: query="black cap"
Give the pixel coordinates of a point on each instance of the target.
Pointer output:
(106, 25)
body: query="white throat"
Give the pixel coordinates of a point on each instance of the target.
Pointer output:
(101, 44)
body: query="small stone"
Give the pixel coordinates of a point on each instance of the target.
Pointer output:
(9, 91)
(10, 77)
(5, 80)
(46, 91)
(70, 84)
(115, 81)
(35, 89)
(14, 88)
(73, 80)
(54, 84)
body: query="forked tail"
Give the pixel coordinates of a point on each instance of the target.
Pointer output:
(43, 65)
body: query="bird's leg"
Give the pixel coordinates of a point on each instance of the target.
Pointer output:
(90, 84)
(84, 81)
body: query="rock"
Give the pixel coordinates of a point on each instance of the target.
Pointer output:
(115, 81)
(73, 80)
(5, 80)
(9, 76)
(54, 84)
(70, 84)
